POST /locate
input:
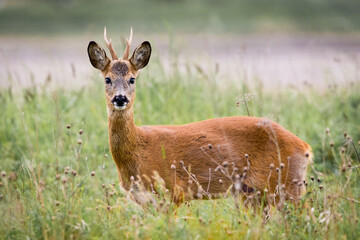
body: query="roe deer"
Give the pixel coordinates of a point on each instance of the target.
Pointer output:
(213, 153)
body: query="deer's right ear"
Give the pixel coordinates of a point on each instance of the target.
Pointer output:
(97, 56)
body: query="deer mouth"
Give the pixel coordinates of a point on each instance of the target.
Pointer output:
(120, 106)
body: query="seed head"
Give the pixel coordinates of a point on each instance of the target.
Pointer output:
(265, 190)
(277, 169)
(57, 203)
(342, 150)
(210, 146)
(349, 164)
(181, 163)
(258, 193)
(343, 168)
(246, 156)
(68, 126)
(307, 155)
(108, 208)
(111, 194)
(321, 187)
(64, 180)
(271, 165)
(221, 181)
(58, 176)
(81, 131)
(173, 167)
(332, 144)
(319, 180)
(345, 134)
(282, 165)
(79, 141)
(225, 164)
(295, 180)
(103, 185)
(190, 181)
(92, 173)
(327, 130)
(132, 178)
(312, 178)
(245, 169)
(3, 174)
(299, 184)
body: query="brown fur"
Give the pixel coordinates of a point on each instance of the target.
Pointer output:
(120, 68)
(200, 146)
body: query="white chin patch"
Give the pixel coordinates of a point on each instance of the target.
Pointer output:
(117, 107)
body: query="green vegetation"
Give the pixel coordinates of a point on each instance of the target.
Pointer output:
(59, 183)
(52, 17)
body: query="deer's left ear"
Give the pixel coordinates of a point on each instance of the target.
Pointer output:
(141, 55)
(97, 56)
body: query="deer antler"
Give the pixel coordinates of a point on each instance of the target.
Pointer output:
(110, 47)
(128, 44)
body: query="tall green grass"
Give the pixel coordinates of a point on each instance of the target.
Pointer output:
(58, 183)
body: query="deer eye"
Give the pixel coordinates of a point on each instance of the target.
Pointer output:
(132, 80)
(107, 80)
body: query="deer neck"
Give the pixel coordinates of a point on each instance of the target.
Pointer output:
(123, 136)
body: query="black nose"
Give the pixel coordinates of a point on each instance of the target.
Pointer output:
(120, 100)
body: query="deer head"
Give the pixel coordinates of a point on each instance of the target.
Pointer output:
(119, 74)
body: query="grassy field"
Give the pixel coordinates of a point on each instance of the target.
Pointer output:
(57, 176)
(54, 17)
(58, 179)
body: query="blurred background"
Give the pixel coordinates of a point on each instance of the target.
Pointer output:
(281, 42)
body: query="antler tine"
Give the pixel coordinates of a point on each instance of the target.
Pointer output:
(110, 47)
(128, 44)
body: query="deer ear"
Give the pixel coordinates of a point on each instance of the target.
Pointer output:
(141, 55)
(97, 56)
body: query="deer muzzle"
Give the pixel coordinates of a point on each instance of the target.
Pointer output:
(120, 102)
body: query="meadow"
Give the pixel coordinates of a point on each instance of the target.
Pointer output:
(58, 179)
